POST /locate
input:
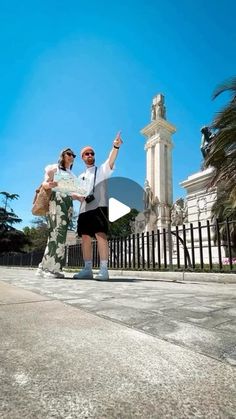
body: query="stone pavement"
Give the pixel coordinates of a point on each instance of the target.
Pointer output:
(127, 348)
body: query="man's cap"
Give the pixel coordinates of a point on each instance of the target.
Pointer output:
(86, 148)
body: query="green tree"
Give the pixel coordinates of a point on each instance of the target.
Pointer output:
(11, 239)
(7, 215)
(122, 226)
(37, 235)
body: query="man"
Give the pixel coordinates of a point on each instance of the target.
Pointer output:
(93, 216)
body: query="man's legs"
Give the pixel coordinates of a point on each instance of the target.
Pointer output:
(86, 273)
(102, 245)
(87, 247)
(103, 251)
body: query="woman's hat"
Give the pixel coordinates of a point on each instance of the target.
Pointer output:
(67, 149)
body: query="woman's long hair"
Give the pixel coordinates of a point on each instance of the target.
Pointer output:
(61, 161)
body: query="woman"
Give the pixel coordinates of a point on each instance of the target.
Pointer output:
(58, 217)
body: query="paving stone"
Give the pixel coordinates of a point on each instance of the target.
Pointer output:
(198, 316)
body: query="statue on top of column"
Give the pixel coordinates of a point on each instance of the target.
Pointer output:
(206, 139)
(158, 109)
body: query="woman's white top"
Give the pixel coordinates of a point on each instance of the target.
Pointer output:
(53, 169)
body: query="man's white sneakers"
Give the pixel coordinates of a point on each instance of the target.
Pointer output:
(84, 274)
(102, 275)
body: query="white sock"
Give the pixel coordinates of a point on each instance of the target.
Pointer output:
(88, 264)
(103, 264)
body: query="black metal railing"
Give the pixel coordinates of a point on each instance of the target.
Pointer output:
(21, 259)
(200, 247)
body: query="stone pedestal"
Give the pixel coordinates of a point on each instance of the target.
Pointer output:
(200, 198)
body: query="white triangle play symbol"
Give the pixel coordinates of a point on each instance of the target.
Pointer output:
(117, 209)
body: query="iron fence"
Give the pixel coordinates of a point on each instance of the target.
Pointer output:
(196, 248)
(21, 259)
(200, 247)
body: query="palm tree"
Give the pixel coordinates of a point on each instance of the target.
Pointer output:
(222, 151)
(222, 210)
(222, 157)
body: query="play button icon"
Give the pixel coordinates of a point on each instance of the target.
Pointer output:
(117, 209)
(123, 196)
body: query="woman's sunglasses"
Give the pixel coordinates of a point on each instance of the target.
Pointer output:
(70, 154)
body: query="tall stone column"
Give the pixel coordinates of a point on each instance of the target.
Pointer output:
(158, 134)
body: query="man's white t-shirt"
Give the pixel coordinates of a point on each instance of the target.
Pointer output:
(100, 193)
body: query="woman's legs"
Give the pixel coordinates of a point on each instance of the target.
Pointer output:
(60, 212)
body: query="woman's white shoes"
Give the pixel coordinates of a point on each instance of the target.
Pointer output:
(40, 273)
(102, 275)
(53, 275)
(46, 274)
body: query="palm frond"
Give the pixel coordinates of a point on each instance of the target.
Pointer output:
(228, 85)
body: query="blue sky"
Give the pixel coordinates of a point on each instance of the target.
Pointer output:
(74, 73)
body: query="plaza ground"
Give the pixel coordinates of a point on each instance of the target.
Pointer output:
(127, 348)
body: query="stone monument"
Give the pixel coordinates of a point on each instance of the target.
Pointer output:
(179, 212)
(158, 185)
(200, 199)
(158, 109)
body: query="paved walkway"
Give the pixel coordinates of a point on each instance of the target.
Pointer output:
(126, 348)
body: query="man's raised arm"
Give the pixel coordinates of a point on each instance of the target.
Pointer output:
(115, 149)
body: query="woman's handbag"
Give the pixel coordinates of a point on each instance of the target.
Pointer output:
(41, 201)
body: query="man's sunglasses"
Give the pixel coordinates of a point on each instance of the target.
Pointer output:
(70, 154)
(89, 153)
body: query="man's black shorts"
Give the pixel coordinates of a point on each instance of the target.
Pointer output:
(94, 221)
